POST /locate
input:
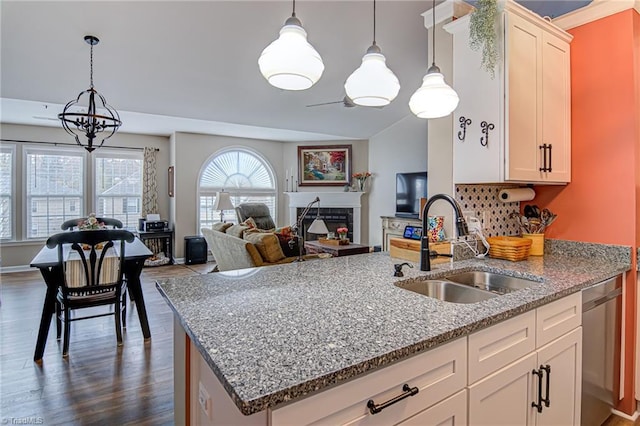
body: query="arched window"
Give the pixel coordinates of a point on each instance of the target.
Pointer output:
(245, 175)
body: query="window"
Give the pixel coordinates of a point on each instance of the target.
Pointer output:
(118, 185)
(7, 183)
(54, 182)
(242, 173)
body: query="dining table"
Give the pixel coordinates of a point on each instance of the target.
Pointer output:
(47, 262)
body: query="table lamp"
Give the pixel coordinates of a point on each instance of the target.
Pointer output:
(222, 203)
(317, 227)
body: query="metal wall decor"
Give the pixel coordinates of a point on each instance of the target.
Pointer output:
(484, 140)
(464, 122)
(81, 117)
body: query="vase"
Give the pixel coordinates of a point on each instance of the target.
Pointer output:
(362, 184)
(343, 236)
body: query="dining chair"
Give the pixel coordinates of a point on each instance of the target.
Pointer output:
(109, 221)
(93, 264)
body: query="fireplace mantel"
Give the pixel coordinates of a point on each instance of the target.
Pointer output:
(328, 200)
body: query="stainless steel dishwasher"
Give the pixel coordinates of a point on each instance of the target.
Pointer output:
(601, 325)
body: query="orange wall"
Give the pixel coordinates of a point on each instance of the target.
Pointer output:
(601, 203)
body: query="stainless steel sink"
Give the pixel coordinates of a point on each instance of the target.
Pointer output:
(496, 283)
(446, 290)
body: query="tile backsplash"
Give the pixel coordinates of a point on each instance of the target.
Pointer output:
(483, 201)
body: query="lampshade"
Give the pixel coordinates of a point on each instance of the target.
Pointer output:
(434, 98)
(223, 201)
(82, 118)
(318, 227)
(373, 83)
(290, 62)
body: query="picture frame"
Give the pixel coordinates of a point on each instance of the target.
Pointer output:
(324, 165)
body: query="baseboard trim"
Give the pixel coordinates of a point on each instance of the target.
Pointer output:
(625, 416)
(19, 268)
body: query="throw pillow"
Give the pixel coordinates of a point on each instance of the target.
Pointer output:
(250, 222)
(267, 244)
(221, 226)
(436, 228)
(285, 235)
(237, 230)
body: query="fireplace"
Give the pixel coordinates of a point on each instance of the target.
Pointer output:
(334, 218)
(337, 209)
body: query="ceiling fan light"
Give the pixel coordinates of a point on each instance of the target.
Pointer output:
(373, 83)
(291, 62)
(434, 99)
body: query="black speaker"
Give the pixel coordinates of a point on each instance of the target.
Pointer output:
(195, 250)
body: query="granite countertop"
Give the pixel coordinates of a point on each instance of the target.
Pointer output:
(277, 333)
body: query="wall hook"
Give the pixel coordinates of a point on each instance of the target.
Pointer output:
(484, 140)
(464, 122)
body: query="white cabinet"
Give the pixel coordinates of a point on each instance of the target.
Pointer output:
(516, 126)
(552, 372)
(436, 374)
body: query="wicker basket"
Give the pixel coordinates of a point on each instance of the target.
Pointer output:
(509, 248)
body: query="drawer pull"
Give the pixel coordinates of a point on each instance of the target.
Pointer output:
(547, 368)
(408, 391)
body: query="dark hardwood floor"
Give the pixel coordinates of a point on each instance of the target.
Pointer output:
(99, 383)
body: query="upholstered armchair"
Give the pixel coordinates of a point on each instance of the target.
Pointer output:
(259, 212)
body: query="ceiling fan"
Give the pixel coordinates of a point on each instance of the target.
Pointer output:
(346, 102)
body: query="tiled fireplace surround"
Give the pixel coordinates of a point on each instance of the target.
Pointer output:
(344, 209)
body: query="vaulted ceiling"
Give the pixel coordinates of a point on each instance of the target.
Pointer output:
(192, 65)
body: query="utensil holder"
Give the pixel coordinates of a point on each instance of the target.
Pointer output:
(537, 244)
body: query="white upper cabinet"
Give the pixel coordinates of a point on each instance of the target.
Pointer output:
(515, 126)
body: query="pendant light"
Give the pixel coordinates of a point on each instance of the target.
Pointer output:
(434, 99)
(372, 84)
(81, 117)
(290, 62)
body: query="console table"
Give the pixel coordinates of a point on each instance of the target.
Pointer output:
(394, 227)
(315, 247)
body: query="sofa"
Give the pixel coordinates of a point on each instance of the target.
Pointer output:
(239, 246)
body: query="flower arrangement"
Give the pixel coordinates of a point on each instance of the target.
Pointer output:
(91, 223)
(361, 179)
(342, 232)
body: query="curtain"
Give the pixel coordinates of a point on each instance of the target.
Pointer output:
(149, 183)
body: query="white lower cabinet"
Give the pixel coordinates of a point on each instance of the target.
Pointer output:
(506, 397)
(450, 412)
(436, 375)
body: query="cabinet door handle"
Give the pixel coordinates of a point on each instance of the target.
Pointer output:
(538, 405)
(484, 140)
(549, 169)
(544, 168)
(464, 122)
(546, 400)
(408, 391)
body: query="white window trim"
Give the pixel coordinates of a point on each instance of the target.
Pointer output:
(11, 148)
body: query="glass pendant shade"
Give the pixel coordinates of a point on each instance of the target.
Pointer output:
(373, 83)
(434, 99)
(290, 62)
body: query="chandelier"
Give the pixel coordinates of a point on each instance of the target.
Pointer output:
(81, 117)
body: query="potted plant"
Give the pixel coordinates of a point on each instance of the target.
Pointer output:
(483, 33)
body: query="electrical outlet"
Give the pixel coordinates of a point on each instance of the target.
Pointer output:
(204, 399)
(467, 214)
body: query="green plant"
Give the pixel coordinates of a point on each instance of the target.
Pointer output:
(483, 33)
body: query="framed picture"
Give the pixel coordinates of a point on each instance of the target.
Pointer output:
(325, 165)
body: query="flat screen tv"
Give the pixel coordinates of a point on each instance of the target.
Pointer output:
(410, 187)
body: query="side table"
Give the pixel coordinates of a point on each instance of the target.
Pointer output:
(315, 247)
(158, 241)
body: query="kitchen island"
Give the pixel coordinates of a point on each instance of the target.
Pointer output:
(281, 333)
